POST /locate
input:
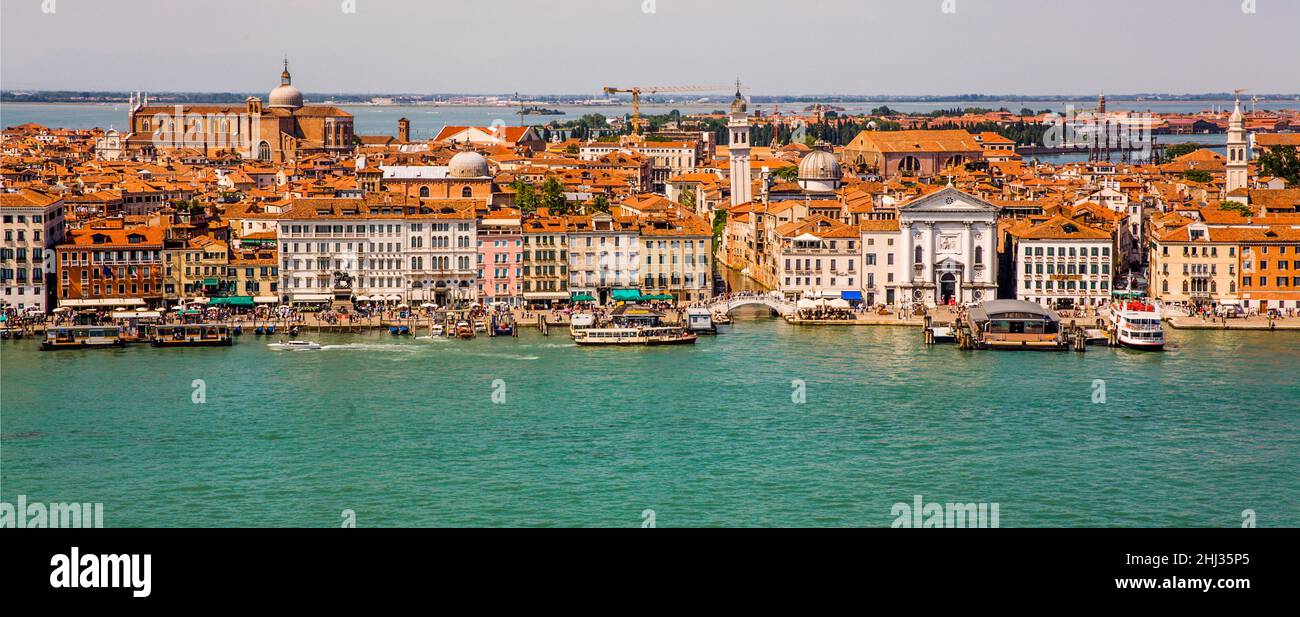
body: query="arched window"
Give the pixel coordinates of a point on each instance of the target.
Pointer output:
(466, 192)
(920, 255)
(1232, 286)
(1184, 286)
(909, 165)
(954, 161)
(264, 151)
(1214, 286)
(1164, 287)
(979, 255)
(424, 191)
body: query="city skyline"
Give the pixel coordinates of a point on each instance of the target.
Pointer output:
(839, 48)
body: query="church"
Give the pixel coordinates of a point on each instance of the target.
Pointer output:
(949, 244)
(281, 131)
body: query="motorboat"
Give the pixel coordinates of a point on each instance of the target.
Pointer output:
(295, 346)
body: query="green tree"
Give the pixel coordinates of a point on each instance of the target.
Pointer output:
(552, 198)
(1198, 175)
(600, 203)
(1236, 206)
(789, 173)
(719, 226)
(688, 200)
(525, 196)
(1283, 163)
(1176, 150)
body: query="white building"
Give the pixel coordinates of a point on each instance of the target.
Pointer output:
(818, 256)
(949, 249)
(1238, 165)
(738, 151)
(604, 254)
(367, 249)
(1063, 263)
(33, 225)
(880, 256)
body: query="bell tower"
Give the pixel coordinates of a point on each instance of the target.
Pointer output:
(738, 149)
(1238, 164)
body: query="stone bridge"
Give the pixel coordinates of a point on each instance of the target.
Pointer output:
(775, 302)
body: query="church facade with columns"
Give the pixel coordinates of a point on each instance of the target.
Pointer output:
(949, 249)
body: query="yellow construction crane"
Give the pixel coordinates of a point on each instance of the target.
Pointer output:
(637, 91)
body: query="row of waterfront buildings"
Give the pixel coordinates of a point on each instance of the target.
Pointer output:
(311, 213)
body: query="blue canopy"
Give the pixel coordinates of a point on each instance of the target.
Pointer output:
(851, 295)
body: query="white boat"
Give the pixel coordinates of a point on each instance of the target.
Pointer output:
(437, 330)
(1138, 324)
(295, 346)
(662, 335)
(581, 321)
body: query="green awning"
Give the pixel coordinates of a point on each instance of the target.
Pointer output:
(211, 281)
(232, 301)
(664, 297)
(626, 295)
(583, 298)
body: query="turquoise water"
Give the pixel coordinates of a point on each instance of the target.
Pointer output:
(405, 432)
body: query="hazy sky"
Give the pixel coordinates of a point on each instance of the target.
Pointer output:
(577, 46)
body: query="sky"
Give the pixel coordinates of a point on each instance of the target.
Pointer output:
(777, 47)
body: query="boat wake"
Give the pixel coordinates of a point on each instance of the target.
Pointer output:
(372, 347)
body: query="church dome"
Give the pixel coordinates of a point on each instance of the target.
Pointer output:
(738, 105)
(819, 165)
(819, 171)
(285, 95)
(468, 164)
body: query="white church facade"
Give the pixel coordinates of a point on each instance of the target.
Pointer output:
(949, 249)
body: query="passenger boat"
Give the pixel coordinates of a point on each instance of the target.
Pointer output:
(295, 346)
(191, 335)
(81, 337)
(1137, 324)
(663, 335)
(581, 321)
(464, 330)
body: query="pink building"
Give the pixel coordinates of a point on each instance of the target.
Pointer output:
(500, 258)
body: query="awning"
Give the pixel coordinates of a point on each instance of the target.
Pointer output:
(266, 299)
(210, 281)
(851, 295)
(546, 295)
(663, 297)
(312, 297)
(626, 295)
(583, 298)
(135, 315)
(232, 301)
(102, 302)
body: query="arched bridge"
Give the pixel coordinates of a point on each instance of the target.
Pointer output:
(775, 302)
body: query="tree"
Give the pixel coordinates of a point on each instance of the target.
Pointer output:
(789, 173)
(1176, 150)
(719, 226)
(1283, 163)
(600, 203)
(552, 198)
(1198, 175)
(1236, 206)
(688, 200)
(525, 196)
